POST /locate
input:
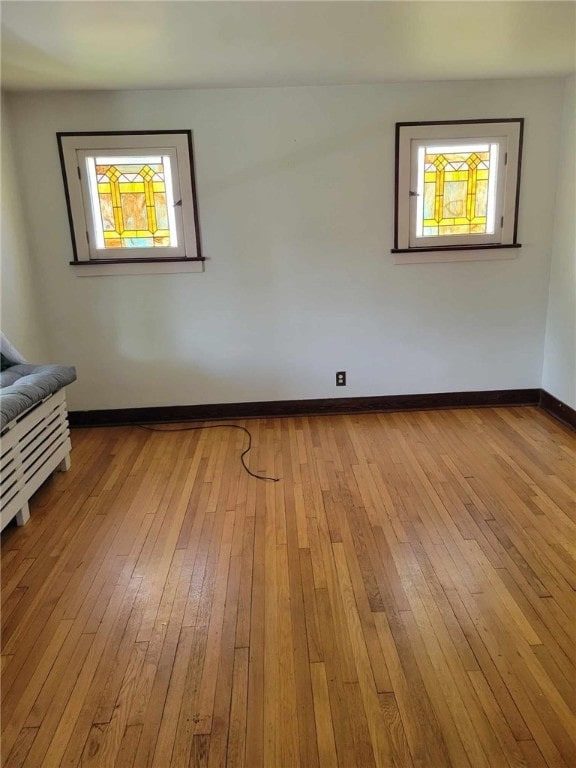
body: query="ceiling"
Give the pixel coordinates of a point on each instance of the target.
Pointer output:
(56, 44)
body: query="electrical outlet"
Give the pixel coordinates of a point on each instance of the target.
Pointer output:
(340, 378)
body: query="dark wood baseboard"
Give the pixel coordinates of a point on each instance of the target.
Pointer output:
(219, 411)
(557, 408)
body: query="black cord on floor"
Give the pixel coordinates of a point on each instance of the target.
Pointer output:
(218, 426)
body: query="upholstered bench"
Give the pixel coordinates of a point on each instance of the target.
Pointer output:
(34, 432)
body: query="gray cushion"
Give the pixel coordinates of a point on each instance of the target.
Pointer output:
(24, 385)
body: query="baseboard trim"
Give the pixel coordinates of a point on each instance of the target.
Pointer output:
(274, 408)
(557, 408)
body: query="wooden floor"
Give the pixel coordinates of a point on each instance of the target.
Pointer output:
(404, 596)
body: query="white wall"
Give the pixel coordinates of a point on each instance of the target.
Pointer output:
(559, 375)
(19, 316)
(295, 193)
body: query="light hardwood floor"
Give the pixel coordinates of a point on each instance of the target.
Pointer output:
(404, 596)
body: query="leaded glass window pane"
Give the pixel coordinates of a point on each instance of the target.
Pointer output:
(132, 201)
(456, 192)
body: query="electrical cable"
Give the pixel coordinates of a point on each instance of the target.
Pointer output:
(218, 426)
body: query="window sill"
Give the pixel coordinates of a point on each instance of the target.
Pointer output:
(103, 268)
(455, 253)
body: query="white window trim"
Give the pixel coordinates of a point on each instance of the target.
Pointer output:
(94, 269)
(507, 133)
(173, 194)
(75, 147)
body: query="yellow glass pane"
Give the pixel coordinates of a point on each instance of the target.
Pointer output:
(129, 187)
(456, 175)
(131, 234)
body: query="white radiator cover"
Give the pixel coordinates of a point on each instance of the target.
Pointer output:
(33, 446)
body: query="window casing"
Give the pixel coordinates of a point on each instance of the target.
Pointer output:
(457, 185)
(131, 197)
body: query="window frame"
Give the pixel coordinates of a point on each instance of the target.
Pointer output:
(507, 133)
(74, 147)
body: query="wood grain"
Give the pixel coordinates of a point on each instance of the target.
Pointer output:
(404, 597)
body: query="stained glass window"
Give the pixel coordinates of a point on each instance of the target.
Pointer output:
(131, 198)
(132, 203)
(456, 190)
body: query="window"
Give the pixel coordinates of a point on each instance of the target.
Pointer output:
(131, 197)
(457, 185)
